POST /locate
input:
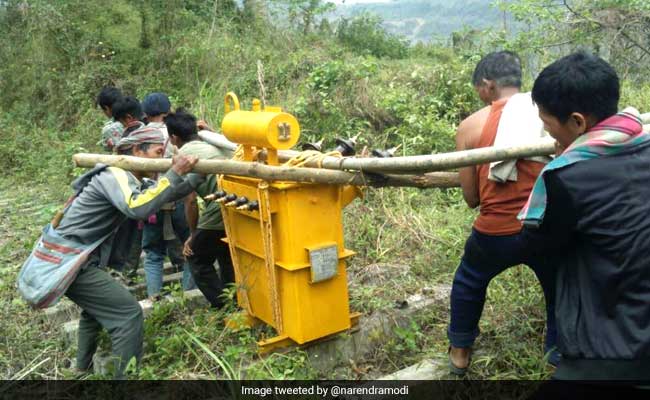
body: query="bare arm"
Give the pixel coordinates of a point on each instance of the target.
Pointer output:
(192, 217)
(467, 175)
(191, 211)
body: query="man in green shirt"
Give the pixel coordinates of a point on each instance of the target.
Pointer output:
(204, 245)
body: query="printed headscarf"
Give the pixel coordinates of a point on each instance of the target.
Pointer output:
(141, 136)
(613, 135)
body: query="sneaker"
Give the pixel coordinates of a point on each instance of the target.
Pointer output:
(459, 371)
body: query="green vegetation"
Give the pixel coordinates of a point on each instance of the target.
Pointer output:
(343, 81)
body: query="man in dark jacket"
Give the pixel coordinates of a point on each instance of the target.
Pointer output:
(588, 211)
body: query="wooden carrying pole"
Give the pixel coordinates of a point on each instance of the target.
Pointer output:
(438, 162)
(417, 164)
(319, 175)
(372, 171)
(271, 173)
(420, 164)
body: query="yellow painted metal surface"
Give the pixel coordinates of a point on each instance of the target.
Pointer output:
(269, 128)
(289, 254)
(302, 217)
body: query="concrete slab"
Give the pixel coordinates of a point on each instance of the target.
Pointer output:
(326, 354)
(424, 370)
(66, 310)
(372, 332)
(140, 289)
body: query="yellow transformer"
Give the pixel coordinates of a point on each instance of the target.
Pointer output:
(285, 238)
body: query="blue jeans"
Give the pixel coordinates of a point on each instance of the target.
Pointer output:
(485, 257)
(155, 248)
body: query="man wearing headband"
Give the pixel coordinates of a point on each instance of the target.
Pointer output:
(111, 195)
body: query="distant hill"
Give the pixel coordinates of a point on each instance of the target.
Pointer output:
(428, 20)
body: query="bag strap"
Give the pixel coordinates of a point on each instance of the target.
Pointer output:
(85, 180)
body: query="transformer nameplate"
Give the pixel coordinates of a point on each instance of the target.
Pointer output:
(324, 263)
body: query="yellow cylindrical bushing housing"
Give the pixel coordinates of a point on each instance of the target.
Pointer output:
(271, 130)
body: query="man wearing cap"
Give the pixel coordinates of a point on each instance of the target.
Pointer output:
(166, 230)
(156, 106)
(111, 195)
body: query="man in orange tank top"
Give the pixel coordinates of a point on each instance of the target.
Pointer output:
(495, 243)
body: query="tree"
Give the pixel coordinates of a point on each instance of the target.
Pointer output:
(307, 11)
(617, 30)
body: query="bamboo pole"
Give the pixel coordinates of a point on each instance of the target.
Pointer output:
(439, 162)
(271, 173)
(418, 164)
(424, 163)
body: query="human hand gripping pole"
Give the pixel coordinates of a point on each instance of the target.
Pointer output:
(182, 164)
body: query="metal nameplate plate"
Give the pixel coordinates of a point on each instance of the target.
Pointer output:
(324, 263)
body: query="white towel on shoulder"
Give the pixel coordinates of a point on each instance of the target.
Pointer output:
(519, 125)
(645, 120)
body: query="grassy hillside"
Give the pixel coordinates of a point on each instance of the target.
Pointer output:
(356, 81)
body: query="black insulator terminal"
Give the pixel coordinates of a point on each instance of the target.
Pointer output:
(239, 201)
(316, 146)
(385, 153)
(252, 206)
(228, 198)
(346, 146)
(216, 195)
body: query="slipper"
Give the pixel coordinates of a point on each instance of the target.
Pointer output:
(454, 369)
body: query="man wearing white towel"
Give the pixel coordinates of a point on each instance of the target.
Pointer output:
(500, 191)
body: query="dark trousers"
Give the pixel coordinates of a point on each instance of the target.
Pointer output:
(106, 304)
(485, 257)
(208, 247)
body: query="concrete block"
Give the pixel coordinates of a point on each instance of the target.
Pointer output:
(66, 310)
(140, 289)
(372, 332)
(424, 370)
